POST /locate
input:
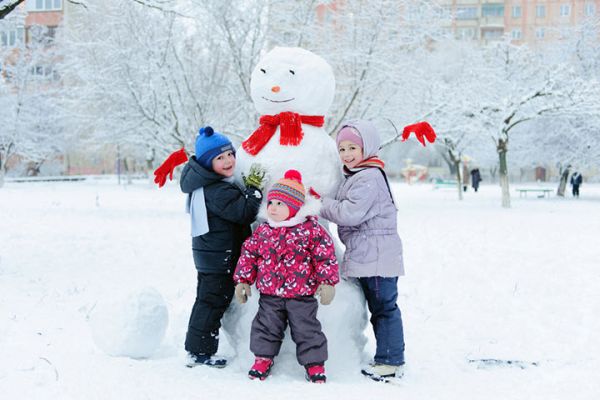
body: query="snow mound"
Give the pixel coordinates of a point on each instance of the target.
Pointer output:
(133, 325)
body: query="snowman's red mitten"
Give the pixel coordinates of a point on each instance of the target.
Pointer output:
(167, 167)
(422, 130)
(313, 193)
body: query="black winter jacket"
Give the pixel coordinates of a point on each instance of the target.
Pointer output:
(230, 211)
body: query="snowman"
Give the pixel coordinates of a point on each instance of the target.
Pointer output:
(293, 89)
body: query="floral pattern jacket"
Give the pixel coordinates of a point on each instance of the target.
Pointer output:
(288, 261)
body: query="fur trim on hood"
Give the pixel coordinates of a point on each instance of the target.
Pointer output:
(311, 206)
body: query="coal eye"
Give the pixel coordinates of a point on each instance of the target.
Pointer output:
(292, 72)
(263, 71)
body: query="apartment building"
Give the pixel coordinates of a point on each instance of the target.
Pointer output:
(48, 13)
(19, 27)
(531, 22)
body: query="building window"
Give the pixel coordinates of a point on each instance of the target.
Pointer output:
(590, 9)
(51, 32)
(446, 31)
(539, 33)
(540, 11)
(466, 13)
(44, 71)
(12, 37)
(492, 34)
(492, 10)
(466, 33)
(443, 12)
(565, 10)
(517, 34)
(45, 5)
(516, 11)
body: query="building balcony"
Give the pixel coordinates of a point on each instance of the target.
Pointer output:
(492, 22)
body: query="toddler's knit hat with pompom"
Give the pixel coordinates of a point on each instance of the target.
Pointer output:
(289, 191)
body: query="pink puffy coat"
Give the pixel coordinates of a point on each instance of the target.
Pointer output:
(288, 261)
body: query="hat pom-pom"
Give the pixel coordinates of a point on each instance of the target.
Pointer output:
(207, 131)
(293, 174)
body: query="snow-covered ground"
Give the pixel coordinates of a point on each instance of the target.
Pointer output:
(482, 283)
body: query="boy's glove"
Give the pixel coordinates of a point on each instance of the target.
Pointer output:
(421, 129)
(242, 292)
(167, 167)
(256, 176)
(326, 293)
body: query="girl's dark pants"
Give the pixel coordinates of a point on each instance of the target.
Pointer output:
(382, 294)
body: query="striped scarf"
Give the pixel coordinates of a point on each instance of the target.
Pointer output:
(371, 162)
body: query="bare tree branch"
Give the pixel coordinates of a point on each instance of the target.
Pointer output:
(8, 7)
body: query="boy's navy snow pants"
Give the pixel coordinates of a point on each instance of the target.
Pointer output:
(213, 295)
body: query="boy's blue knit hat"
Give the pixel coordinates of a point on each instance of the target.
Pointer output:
(210, 144)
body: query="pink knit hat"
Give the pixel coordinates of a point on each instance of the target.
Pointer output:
(351, 134)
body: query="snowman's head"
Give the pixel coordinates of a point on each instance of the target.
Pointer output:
(292, 79)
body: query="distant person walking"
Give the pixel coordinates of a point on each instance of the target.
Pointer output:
(475, 178)
(465, 177)
(576, 180)
(564, 179)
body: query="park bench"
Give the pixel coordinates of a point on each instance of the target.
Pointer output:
(544, 192)
(444, 183)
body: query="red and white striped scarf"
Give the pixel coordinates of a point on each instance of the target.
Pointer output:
(371, 162)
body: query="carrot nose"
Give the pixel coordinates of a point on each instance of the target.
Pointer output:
(275, 89)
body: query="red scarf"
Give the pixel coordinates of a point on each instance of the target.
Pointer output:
(371, 162)
(290, 125)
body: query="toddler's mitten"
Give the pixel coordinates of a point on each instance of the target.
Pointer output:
(314, 193)
(242, 292)
(167, 167)
(256, 176)
(326, 293)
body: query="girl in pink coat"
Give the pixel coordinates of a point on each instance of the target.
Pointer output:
(291, 258)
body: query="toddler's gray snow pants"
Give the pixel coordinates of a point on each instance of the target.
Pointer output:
(270, 322)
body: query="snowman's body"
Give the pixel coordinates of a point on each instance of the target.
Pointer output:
(296, 80)
(316, 158)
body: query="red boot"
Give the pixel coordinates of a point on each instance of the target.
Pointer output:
(316, 373)
(261, 368)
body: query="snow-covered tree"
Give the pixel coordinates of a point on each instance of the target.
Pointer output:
(147, 78)
(150, 76)
(573, 136)
(30, 118)
(147, 74)
(375, 49)
(453, 84)
(522, 86)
